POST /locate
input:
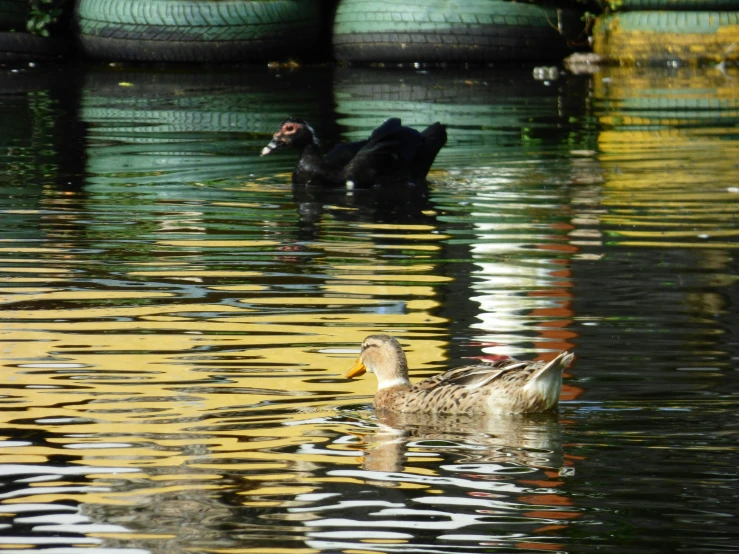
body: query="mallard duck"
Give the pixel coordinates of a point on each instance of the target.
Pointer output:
(392, 154)
(505, 386)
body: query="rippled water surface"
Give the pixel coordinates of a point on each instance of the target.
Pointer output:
(177, 319)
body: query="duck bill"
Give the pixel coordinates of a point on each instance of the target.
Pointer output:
(273, 145)
(357, 370)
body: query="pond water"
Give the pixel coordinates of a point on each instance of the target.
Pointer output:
(177, 319)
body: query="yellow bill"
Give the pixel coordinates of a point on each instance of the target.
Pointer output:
(357, 370)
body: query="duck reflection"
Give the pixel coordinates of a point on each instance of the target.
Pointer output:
(458, 480)
(533, 441)
(405, 203)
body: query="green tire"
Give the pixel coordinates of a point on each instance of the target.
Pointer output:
(455, 31)
(197, 31)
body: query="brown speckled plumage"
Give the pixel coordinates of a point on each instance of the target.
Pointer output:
(506, 386)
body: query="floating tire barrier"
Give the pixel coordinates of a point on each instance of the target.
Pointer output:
(448, 31)
(679, 5)
(198, 31)
(655, 37)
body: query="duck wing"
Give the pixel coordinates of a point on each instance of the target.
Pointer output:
(343, 153)
(481, 375)
(388, 135)
(506, 386)
(392, 152)
(386, 156)
(411, 152)
(402, 141)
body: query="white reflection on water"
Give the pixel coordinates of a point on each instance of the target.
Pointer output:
(426, 519)
(454, 482)
(20, 469)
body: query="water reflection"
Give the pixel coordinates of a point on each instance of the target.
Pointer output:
(665, 213)
(491, 114)
(401, 205)
(445, 483)
(684, 134)
(152, 127)
(523, 440)
(175, 325)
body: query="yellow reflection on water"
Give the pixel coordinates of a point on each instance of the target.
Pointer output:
(668, 148)
(138, 379)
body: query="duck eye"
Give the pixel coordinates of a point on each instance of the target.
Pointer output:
(289, 128)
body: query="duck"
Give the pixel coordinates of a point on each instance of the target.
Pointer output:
(506, 386)
(392, 154)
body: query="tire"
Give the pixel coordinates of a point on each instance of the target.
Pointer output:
(438, 31)
(197, 31)
(680, 5)
(25, 47)
(660, 37)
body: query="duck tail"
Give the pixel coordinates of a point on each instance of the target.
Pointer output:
(435, 136)
(554, 368)
(547, 381)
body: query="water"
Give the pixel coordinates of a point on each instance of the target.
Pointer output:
(176, 319)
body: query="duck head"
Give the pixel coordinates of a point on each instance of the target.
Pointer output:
(383, 356)
(294, 133)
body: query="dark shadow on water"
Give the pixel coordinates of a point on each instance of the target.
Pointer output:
(41, 126)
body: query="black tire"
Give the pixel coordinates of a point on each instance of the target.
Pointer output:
(197, 31)
(438, 31)
(24, 47)
(13, 15)
(658, 37)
